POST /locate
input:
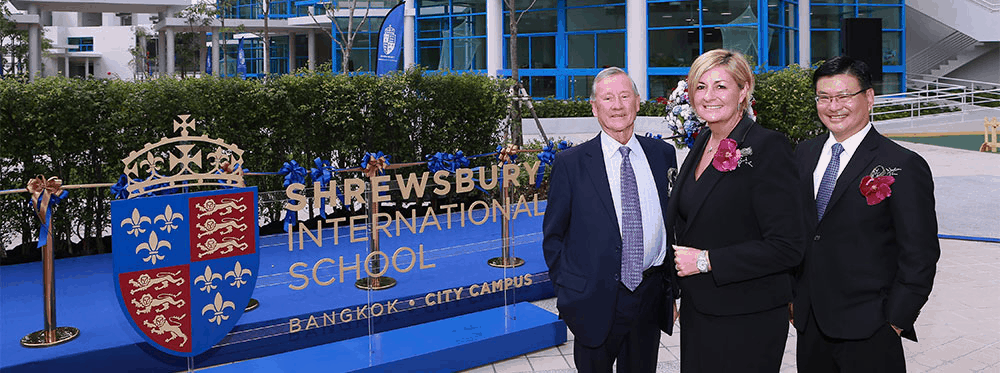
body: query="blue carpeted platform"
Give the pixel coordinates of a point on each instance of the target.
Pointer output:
(446, 345)
(451, 283)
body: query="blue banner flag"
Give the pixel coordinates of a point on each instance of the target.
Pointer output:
(208, 63)
(241, 61)
(390, 41)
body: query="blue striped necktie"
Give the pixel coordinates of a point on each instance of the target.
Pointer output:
(829, 180)
(632, 247)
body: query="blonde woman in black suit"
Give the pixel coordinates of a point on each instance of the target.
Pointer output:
(737, 217)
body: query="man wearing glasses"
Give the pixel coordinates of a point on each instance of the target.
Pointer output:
(870, 264)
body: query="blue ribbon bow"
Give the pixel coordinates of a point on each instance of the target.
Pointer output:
(120, 190)
(321, 173)
(293, 173)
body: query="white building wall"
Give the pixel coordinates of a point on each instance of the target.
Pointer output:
(112, 42)
(922, 31)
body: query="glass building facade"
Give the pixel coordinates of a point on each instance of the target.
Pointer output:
(562, 44)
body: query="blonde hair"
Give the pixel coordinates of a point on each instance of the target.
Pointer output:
(733, 62)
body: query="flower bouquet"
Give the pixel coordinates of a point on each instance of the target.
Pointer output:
(681, 118)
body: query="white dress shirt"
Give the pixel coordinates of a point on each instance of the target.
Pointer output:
(850, 147)
(654, 234)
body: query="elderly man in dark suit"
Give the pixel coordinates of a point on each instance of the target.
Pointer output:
(870, 264)
(605, 238)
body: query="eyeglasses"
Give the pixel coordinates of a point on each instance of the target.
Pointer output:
(841, 99)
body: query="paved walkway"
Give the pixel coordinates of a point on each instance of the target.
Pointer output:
(959, 327)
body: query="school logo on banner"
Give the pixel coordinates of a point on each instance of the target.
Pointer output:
(185, 263)
(389, 40)
(388, 56)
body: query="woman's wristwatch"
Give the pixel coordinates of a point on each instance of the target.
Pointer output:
(703, 261)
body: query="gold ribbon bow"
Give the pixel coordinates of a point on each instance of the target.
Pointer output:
(507, 152)
(375, 165)
(41, 191)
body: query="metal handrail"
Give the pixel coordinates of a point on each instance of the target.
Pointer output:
(939, 93)
(991, 5)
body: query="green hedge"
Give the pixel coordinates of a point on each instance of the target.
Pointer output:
(79, 130)
(784, 102)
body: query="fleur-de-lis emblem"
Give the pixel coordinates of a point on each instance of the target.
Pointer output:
(153, 246)
(218, 309)
(237, 273)
(209, 278)
(136, 222)
(168, 218)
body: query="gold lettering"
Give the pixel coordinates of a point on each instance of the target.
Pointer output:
(517, 209)
(461, 212)
(336, 228)
(328, 319)
(536, 206)
(427, 299)
(518, 281)
(504, 211)
(356, 227)
(347, 318)
(293, 193)
(290, 240)
(458, 293)
(362, 312)
(413, 259)
(330, 194)
(444, 186)
(507, 282)
(356, 267)
(510, 174)
(485, 208)
(422, 265)
(527, 279)
(380, 310)
(354, 190)
(410, 224)
(486, 288)
(390, 307)
(316, 268)
(447, 209)
(368, 260)
(317, 239)
(412, 184)
(384, 227)
(498, 285)
(294, 325)
(463, 180)
(305, 279)
(379, 185)
(487, 185)
(532, 171)
(312, 324)
(472, 290)
(428, 216)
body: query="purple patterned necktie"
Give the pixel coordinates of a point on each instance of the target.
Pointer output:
(632, 248)
(829, 180)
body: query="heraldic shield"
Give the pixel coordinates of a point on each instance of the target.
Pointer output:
(185, 265)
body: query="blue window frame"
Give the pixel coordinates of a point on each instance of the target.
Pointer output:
(365, 48)
(83, 44)
(451, 35)
(826, 27)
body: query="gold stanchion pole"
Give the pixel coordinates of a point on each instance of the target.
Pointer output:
(505, 260)
(42, 190)
(377, 282)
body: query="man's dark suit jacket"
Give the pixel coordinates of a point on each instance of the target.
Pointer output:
(749, 219)
(582, 241)
(866, 266)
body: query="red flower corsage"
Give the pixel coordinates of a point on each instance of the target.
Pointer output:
(876, 186)
(728, 157)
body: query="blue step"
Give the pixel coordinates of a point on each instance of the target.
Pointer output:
(446, 345)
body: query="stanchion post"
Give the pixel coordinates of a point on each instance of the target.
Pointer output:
(51, 334)
(373, 282)
(505, 260)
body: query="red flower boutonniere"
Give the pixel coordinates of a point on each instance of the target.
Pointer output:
(876, 186)
(728, 157)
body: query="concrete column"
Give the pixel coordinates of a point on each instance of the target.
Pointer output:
(635, 36)
(291, 52)
(216, 65)
(312, 49)
(202, 52)
(409, 41)
(805, 35)
(170, 51)
(494, 37)
(34, 45)
(66, 65)
(161, 53)
(87, 72)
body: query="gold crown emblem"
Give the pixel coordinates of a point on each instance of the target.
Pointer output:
(178, 161)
